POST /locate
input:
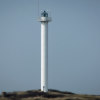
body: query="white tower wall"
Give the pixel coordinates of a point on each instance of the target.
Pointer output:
(44, 56)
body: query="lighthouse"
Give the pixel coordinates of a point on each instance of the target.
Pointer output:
(44, 19)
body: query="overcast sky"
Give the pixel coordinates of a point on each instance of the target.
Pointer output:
(74, 45)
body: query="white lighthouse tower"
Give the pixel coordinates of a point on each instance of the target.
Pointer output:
(44, 19)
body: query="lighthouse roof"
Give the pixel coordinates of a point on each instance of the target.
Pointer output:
(44, 14)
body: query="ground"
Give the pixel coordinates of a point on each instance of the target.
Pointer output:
(50, 95)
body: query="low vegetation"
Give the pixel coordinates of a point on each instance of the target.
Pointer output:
(51, 95)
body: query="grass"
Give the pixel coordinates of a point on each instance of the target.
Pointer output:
(51, 95)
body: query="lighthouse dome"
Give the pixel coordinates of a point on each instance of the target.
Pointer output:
(44, 14)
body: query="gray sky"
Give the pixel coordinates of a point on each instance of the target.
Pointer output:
(74, 45)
